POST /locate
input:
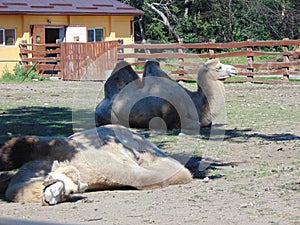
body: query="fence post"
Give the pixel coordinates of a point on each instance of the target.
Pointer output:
(211, 52)
(180, 60)
(286, 74)
(250, 60)
(24, 55)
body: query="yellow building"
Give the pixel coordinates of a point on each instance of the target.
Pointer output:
(52, 21)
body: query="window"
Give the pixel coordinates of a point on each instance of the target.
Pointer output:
(1, 37)
(7, 36)
(95, 34)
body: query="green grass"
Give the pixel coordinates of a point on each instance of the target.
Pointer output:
(259, 78)
(21, 74)
(35, 120)
(46, 108)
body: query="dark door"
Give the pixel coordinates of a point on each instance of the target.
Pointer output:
(39, 41)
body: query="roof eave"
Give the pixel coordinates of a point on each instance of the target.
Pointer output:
(139, 13)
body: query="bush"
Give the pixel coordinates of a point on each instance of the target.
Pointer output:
(20, 73)
(8, 77)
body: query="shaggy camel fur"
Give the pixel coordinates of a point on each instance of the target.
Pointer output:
(156, 101)
(106, 157)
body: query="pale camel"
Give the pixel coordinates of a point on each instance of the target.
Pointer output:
(156, 101)
(106, 157)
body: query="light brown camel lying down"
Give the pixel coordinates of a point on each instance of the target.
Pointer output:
(107, 157)
(156, 101)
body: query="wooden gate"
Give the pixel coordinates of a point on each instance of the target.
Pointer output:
(39, 41)
(88, 61)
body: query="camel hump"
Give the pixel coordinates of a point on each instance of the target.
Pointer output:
(20, 150)
(122, 75)
(152, 69)
(120, 65)
(15, 152)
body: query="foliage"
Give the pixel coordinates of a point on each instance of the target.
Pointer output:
(222, 20)
(21, 74)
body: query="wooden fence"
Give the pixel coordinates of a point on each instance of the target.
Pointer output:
(88, 61)
(44, 58)
(94, 61)
(251, 58)
(71, 61)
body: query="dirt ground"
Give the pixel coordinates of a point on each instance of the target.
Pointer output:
(256, 161)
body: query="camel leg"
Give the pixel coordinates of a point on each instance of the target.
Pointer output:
(5, 178)
(27, 184)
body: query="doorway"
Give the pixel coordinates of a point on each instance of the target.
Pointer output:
(54, 34)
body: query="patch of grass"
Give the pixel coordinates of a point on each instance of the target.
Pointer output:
(294, 186)
(221, 153)
(231, 176)
(43, 121)
(234, 60)
(264, 58)
(21, 74)
(216, 173)
(241, 188)
(259, 78)
(8, 76)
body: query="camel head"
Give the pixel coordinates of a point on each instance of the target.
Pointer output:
(61, 183)
(218, 70)
(212, 73)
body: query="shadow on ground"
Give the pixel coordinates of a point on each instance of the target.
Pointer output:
(41, 121)
(242, 135)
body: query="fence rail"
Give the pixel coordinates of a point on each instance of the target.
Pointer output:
(280, 58)
(71, 61)
(94, 61)
(88, 61)
(45, 58)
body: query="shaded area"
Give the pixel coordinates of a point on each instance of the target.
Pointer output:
(7, 221)
(36, 120)
(199, 167)
(245, 134)
(230, 134)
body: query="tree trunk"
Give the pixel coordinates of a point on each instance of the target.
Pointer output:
(164, 20)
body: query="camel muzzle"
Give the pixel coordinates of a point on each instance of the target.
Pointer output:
(54, 192)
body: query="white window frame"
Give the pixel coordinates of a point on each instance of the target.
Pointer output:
(94, 38)
(3, 36)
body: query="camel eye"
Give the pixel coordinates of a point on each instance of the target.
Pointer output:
(219, 68)
(72, 192)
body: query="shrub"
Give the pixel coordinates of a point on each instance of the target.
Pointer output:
(20, 73)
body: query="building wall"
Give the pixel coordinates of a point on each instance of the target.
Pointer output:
(10, 53)
(115, 27)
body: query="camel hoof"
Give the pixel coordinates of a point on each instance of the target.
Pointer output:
(54, 193)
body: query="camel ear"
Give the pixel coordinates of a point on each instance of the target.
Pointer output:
(55, 165)
(82, 187)
(47, 182)
(212, 62)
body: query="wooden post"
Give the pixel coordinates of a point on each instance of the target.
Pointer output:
(211, 52)
(24, 54)
(286, 74)
(250, 60)
(180, 60)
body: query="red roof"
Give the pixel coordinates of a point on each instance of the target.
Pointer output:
(82, 7)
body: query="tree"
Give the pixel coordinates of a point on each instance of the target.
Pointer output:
(222, 20)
